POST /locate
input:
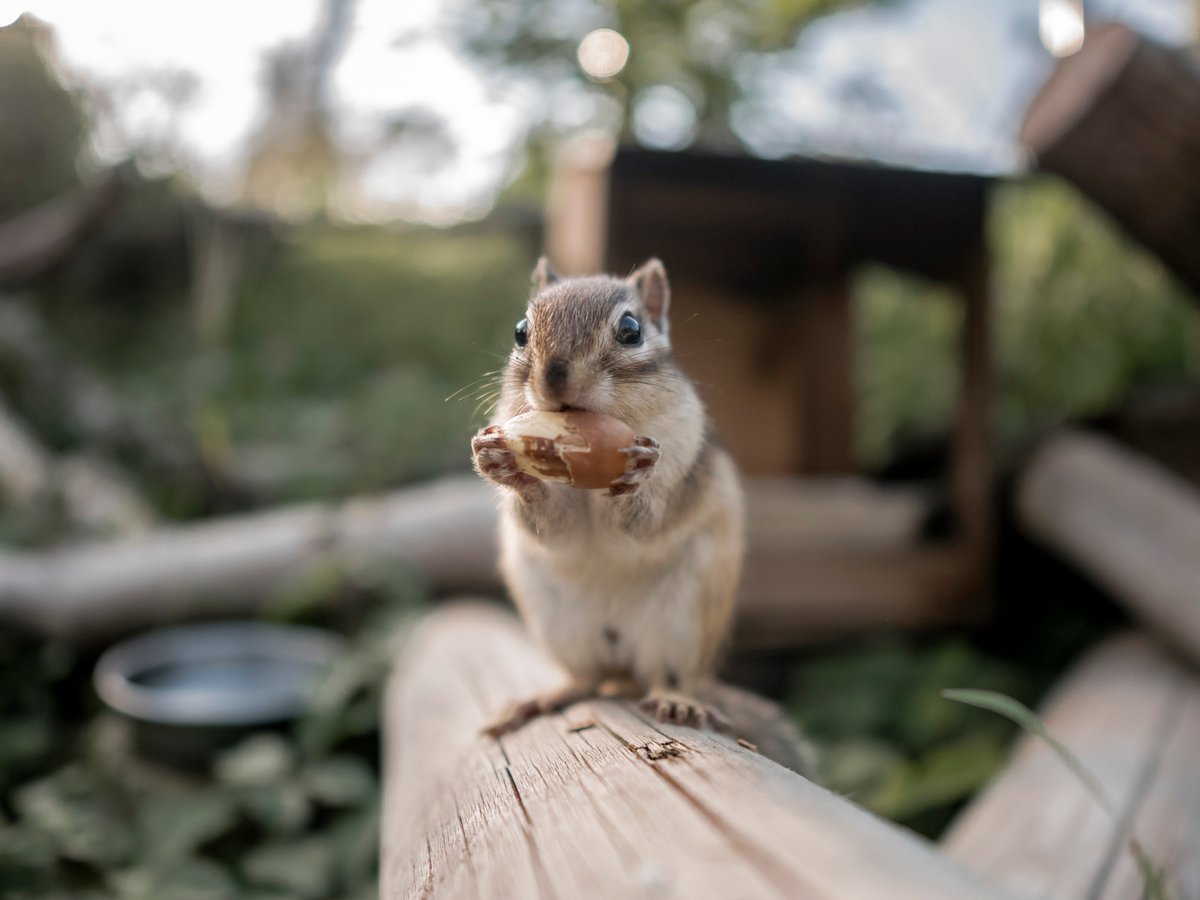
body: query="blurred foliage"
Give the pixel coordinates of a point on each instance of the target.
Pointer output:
(887, 739)
(1082, 318)
(41, 124)
(283, 814)
(691, 47)
(343, 345)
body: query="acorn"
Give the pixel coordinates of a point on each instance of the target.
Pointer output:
(577, 448)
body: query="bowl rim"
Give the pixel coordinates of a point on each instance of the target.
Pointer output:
(118, 667)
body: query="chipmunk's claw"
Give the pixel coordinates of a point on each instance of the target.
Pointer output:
(681, 709)
(523, 711)
(640, 460)
(495, 462)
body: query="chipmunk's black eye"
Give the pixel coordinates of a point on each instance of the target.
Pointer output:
(522, 333)
(629, 330)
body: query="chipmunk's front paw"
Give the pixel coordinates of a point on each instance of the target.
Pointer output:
(682, 709)
(639, 465)
(494, 461)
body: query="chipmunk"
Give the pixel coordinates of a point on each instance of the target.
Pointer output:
(630, 589)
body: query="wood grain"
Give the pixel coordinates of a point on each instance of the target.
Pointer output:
(599, 802)
(1132, 715)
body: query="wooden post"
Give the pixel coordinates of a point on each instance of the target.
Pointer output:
(826, 352)
(1132, 715)
(600, 803)
(1130, 524)
(971, 467)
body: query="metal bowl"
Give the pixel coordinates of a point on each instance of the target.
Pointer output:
(191, 690)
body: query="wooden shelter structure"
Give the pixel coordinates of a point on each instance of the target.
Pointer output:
(762, 255)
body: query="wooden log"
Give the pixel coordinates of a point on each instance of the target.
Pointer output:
(95, 499)
(35, 240)
(826, 558)
(598, 802)
(1130, 524)
(1131, 713)
(1121, 121)
(444, 531)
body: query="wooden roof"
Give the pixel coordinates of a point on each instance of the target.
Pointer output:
(757, 226)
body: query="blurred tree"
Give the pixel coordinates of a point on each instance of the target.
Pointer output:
(42, 125)
(294, 163)
(682, 60)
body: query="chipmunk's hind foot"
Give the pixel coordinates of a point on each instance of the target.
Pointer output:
(681, 709)
(523, 711)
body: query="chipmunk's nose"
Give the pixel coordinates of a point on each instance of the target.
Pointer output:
(555, 377)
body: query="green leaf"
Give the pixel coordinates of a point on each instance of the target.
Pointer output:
(259, 760)
(281, 809)
(175, 824)
(942, 777)
(190, 879)
(340, 781)
(1032, 723)
(303, 867)
(70, 808)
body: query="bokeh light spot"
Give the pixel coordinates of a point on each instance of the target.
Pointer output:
(1060, 26)
(603, 53)
(664, 118)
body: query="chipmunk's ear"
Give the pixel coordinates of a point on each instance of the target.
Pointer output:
(650, 281)
(543, 275)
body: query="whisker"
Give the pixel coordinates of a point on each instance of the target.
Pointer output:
(466, 387)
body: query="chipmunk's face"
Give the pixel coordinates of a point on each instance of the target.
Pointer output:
(593, 343)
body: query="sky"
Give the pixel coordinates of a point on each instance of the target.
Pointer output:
(927, 82)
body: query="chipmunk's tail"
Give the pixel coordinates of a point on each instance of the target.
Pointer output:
(765, 725)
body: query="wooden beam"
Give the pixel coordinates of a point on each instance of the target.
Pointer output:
(600, 803)
(1130, 524)
(1131, 713)
(794, 596)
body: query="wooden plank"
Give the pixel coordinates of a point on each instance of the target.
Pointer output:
(791, 596)
(744, 362)
(599, 802)
(1132, 715)
(1130, 524)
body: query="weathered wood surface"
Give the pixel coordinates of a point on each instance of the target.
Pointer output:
(598, 802)
(1131, 713)
(1129, 523)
